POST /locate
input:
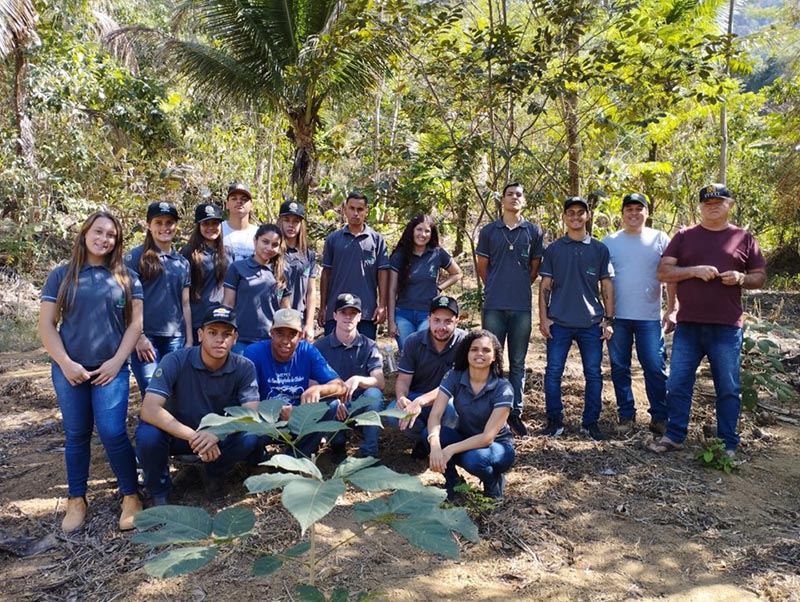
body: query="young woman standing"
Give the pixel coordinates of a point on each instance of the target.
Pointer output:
(482, 444)
(257, 287)
(165, 276)
(208, 259)
(301, 263)
(89, 322)
(414, 277)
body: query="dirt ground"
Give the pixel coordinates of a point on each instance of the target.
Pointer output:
(581, 521)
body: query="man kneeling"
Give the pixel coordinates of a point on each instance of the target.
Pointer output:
(187, 385)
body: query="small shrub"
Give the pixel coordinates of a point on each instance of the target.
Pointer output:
(714, 455)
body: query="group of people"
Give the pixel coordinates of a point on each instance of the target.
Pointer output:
(230, 319)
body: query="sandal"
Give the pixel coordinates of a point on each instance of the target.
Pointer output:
(664, 445)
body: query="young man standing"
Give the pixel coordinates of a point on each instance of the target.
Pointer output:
(357, 361)
(570, 309)
(355, 261)
(711, 264)
(635, 253)
(509, 254)
(237, 232)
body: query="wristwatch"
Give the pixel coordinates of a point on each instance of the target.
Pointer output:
(609, 320)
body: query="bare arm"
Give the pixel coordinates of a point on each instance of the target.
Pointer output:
(669, 321)
(111, 367)
(333, 388)
(545, 290)
(440, 457)
(51, 339)
(187, 316)
(669, 271)
(323, 295)
(383, 292)
(203, 443)
(607, 292)
(454, 272)
(375, 379)
(311, 308)
(535, 265)
(749, 280)
(229, 297)
(482, 265)
(392, 303)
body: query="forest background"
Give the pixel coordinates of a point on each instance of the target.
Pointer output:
(423, 105)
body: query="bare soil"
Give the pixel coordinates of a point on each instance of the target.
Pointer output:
(581, 521)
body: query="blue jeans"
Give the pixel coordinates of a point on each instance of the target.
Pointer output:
(154, 447)
(516, 327)
(85, 406)
(415, 433)
(486, 463)
(409, 321)
(369, 447)
(143, 371)
(723, 346)
(652, 354)
(591, 347)
(366, 327)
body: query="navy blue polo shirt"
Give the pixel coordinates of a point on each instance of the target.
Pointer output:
(288, 380)
(427, 365)
(423, 277)
(510, 253)
(163, 295)
(192, 390)
(576, 267)
(360, 358)
(210, 292)
(354, 262)
(474, 409)
(93, 324)
(299, 268)
(257, 298)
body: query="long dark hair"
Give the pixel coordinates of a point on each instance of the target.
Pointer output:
(277, 261)
(150, 262)
(193, 251)
(113, 261)
(405, 246)
(461, 363)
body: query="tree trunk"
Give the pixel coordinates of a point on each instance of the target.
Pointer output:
(305, 160)
(25, 145)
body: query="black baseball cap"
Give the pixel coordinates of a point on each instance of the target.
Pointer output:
(239, 187)
(445, 302)
(161, 208)
(575, 200)
(714, 191)
(219, 313)
(292, 208)
(634, 198)
(346, 300)
(206, 211)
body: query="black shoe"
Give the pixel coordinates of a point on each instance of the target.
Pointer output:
(554, 428)
(420, 451)
(593, 431)
(454, 496)
(517, 426)
(494, 489)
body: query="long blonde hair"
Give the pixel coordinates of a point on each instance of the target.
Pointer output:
(113, 261)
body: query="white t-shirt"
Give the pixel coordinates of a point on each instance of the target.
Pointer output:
(637, 291)
(239, 244)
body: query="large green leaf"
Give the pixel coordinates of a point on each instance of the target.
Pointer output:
(426, 534)
(308, 593)
(369, 418)
(265, 482)
(380, 478)
(351, 465)
(181, 561)
(242, 412)
(233, 522)
(339, 595)
(179, 524)
(361, 402)
(298, 550)
(266, 565)
(291, 464)
(457, 519)
(401, 502)
(270, 410)
(324, 426)
(305, 417)
(308, 500)
(393, 413)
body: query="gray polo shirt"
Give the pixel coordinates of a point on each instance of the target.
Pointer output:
(163, 295)
(192, 390)
(510, 253)
(576, 267)
(423, 277)
(210, 292)
(354, 262)
(427, 365)
(360, 358)
(299, 268)
(257, 298)
(93, 324)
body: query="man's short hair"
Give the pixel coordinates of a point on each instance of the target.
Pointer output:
(512, 185)
(356, 194)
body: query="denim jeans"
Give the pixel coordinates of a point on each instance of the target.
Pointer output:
(143, 371)
(366, 327)
(154, 447)
(722, 345)
(516, 327)
(409, 321)
(486, 463)
(449, 418)
(369, 447)
(84, 406)
(652, 354)
(591, 347)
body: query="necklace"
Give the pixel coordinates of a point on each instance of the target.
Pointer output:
(511, 242)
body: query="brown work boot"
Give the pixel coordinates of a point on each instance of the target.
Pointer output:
(131, 506)
(76, 514)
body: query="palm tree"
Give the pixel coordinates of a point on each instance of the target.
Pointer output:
(287, 56)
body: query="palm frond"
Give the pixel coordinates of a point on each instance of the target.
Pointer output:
(17, 25)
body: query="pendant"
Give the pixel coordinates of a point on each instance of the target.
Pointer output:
(511, 246)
